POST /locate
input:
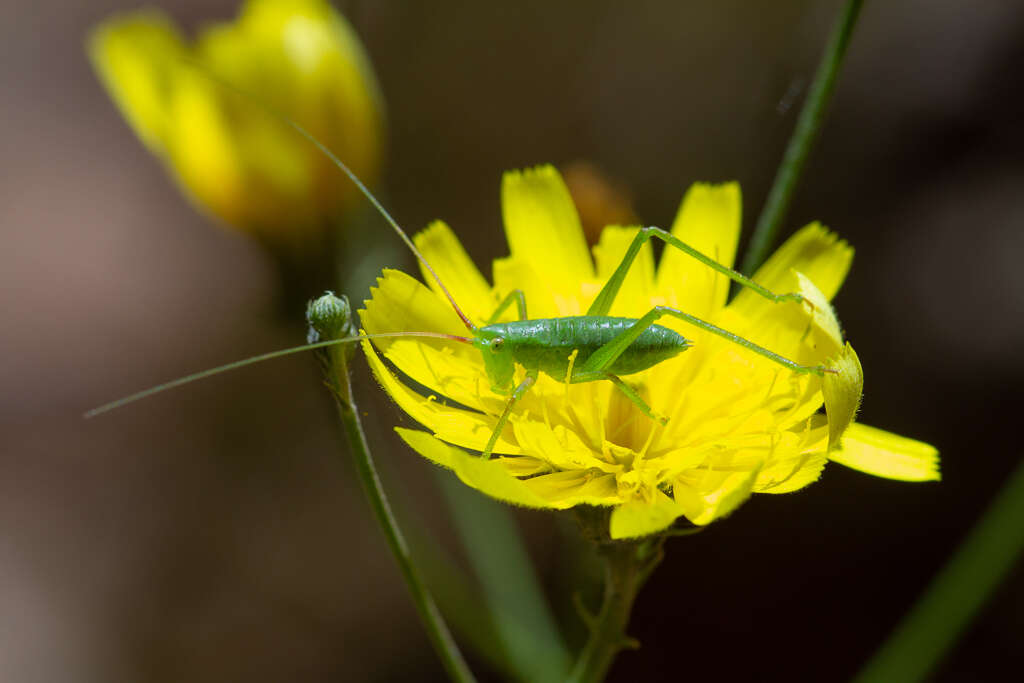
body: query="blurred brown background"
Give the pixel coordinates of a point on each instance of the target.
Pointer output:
(214, 534)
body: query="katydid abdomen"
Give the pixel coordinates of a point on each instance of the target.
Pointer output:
(546, 344)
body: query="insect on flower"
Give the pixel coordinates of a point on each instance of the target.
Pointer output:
(686, 431)
(720, 399)
(596, 346)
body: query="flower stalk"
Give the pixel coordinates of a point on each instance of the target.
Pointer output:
(804, 135)
(627, 565)
(330, 318)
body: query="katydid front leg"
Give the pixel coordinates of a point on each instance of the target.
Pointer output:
(515, 295)
(517, 393)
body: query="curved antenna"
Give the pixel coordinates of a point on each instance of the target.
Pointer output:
(203, 374)
(351, 176)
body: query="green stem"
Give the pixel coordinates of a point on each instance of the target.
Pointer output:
(526, 629)
(957, 593)
(336, 367)
(627, 566)
(807, 127)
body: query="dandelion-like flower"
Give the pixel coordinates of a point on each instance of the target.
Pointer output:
(737, 423)
(231, 154)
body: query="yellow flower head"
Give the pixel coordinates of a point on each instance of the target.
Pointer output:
(737, 422)
(231, 155)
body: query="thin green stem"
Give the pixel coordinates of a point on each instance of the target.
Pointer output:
(525, 627)
(957, 593)
(804, 135)
(627, 566)
(336, 370)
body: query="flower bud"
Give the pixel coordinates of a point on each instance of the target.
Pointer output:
(232, 153)
(329, 318)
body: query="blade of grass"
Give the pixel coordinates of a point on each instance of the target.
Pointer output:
(454, 586)
(461, 600)
(520, 614)
(954, 597)
(804, 135)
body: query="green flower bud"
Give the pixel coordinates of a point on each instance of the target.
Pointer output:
(329, 317)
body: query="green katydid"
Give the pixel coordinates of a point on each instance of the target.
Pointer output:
(586, 348)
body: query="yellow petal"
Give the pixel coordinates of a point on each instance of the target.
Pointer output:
(639, 518)
(806, 332)
(304, 60)
(634, 297)
(463, 428)
(487, 476)
(136, 56)
(575, 487)
(888, 455)
(709, 221)
(231, 154)
(451, 369)
(526, 466)
(562, 447)
(515, 273)
(842, 391)
(203, 150)
(828, 336)
(714, 494)
(400, 303)
(792, 474)
(814, 251)
(443, 251)
(544, 230)
(280, 172)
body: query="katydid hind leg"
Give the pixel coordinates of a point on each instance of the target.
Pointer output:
(606, 297)
(603, 358)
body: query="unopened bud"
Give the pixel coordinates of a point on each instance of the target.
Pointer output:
(329, 318)
(226, 144)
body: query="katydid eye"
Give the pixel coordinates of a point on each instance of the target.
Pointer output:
(497, 344)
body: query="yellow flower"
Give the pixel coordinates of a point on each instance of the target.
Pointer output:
(231, 155)
(737, 423)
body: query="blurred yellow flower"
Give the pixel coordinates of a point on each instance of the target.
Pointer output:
(738, 423)
(231, 155)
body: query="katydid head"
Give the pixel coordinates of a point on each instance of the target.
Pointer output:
(498, 360)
